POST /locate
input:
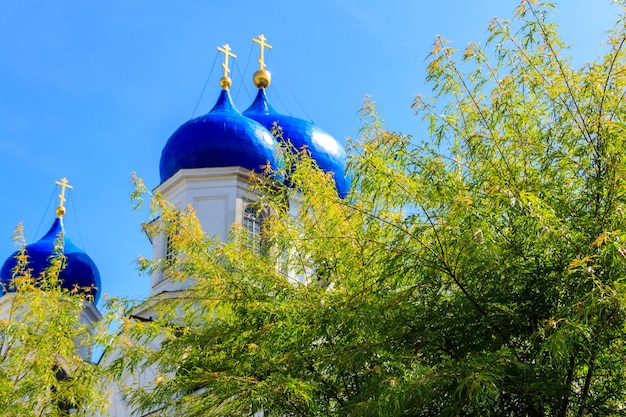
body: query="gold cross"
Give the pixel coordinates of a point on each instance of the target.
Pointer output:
(261, 41)
(226, 51)
(64, 184)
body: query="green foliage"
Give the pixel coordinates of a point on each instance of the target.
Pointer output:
(479, 272)
(41, 334)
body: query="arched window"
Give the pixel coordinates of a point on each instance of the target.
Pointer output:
(253, 223)
(170, 253)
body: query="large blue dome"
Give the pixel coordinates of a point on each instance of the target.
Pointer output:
(80, 271)
(220, 138)
(325, 150)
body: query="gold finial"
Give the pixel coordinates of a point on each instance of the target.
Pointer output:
(64, 184)
(262, 77)
(225, 81)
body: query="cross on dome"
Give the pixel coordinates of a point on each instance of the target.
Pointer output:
(261, 42)
(262, 77)
(225, 81)
(64, 185)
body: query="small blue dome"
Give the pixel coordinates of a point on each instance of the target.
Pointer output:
(79, 272)
(325, 150)
(220, 138)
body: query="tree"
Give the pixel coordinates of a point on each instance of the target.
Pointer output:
(41, 337)
(478, 272)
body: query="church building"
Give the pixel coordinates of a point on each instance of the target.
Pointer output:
(206, 164)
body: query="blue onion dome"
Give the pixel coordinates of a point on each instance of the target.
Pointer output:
(80, 271)
(329, 155)
(221, 138)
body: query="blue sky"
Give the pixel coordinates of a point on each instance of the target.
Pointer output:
(92, 90)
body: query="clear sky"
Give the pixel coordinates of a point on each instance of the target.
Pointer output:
(92, 90)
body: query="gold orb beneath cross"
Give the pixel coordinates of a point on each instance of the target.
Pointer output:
(262, 78)
(225, 83)
(60, 211)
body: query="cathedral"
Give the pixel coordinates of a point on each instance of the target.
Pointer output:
(205, 164)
